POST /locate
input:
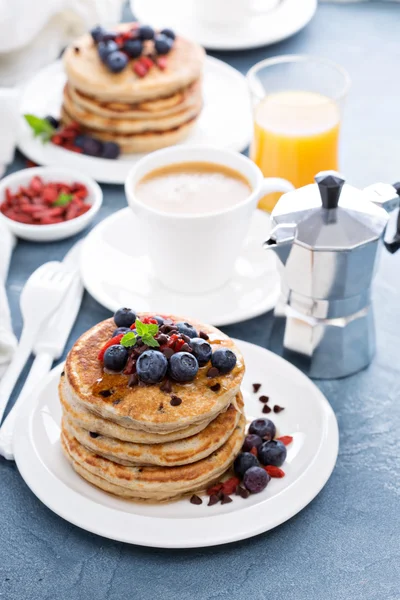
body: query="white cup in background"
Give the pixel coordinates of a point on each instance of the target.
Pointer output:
(196, 253)
(227, 12)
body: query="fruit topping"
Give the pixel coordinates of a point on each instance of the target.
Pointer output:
(183, 367)
(159, 320)
(122, 330)
(151, 366)
(116, 61)
(97, 33)
(133, 48)
(52, 121)
(168, 33)
(244, 461)
(251, 441)
(272, 453)
(274, 471)
(124, 317)
(115, 358)
(256, 479)
(146, 32)
(106, 48)
(114, 340)
(224, 360)
(285, 439)
(163, 44)
(202, 350)
(186, 329)
(264, 428)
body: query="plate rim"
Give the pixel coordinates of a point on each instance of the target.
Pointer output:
(92, 167)
(248, 45)
(256, 311)
(26, 454)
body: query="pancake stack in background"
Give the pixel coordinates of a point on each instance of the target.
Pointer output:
(141, 110)
(150, 442)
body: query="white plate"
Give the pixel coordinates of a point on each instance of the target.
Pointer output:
(117, 272)
(225, 121)
(259, 30)
(308, 417)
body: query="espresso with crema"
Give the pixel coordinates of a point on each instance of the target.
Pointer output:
(192, 188)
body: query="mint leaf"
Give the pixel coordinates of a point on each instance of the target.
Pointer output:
(141, 328)
(40, 127)
(63, 200)
(150, 341)
(129, 340)
(152, 328)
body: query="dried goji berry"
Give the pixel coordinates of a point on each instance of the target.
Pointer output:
(285, 439)
(215, 489)
(274, 471)
(229, 486)
(253, 451)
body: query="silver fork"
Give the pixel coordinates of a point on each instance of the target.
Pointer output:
(41, 296)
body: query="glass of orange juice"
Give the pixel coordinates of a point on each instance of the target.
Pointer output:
(297, 103)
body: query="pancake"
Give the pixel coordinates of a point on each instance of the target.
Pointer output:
(160, 107)
(167, 454)
(86, 72)
(152, 483)
(147, 408)
(84, 418)
(126, 125)
(138, 142)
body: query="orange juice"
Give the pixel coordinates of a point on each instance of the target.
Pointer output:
(295, 136)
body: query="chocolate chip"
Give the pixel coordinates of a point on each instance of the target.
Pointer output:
(175, 401)
(213, 500)
(278, 409)
(117, 401)
(226, 499)
(168, 352)
(216, 387)
(196, 500)
(212, 372)
(242, 492)
(266, 409)
(93, 434)
(77, 50)
(185, 338)
(62, 374)
(166, 386)
(264, 399)
(161, 407)
(203, 335)
(185, 348)
(106, 393)
(256, 387)
(162, 339)
(133, 380)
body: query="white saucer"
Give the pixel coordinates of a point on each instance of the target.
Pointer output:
(308, 417)
(260, 30)
(223, 123)
(117, 272)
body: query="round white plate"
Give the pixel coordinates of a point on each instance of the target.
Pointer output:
(117, 272)
(259, 30)
(225, 121)
(308, 417)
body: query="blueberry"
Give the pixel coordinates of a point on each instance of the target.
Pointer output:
(264, 428)
(108, 36)
(224, 360)
(146, 32)
(124, 317)
(133, 48)
(151, 366)
(120, 330)
(159, 320)
(251, 441)
(202, 350)
(256, 479)
(162, 44)
(116, 61)
(90, 146)
(244, 461)
(186, 329)
(110, 150)
(168, 33)
(272, 453)
(97, 33)
(183, 366)
(106, 48)
(52, 121)
(115, 357)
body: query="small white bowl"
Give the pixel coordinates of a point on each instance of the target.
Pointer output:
(57, 231)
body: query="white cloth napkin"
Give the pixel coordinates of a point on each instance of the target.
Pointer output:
(8, 341)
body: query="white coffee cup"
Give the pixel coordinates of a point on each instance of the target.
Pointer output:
(196, 253)
(229, 12)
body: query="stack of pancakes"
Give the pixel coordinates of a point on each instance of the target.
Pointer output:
(138, 442)
(139, 114)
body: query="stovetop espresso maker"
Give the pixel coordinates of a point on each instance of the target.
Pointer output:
(327, 237)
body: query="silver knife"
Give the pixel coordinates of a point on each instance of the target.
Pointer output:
(48, 348)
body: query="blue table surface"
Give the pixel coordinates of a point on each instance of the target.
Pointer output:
(345, 544)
